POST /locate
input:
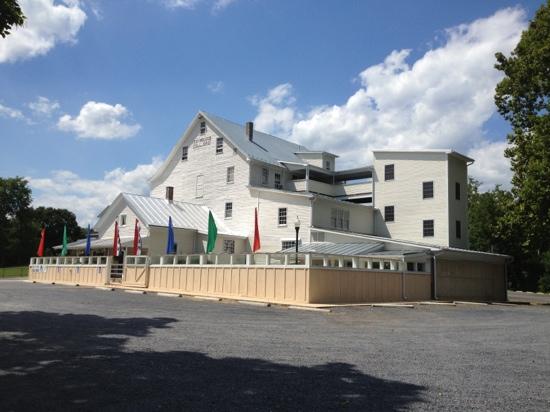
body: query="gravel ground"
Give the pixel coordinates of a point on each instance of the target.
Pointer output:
(68, 348)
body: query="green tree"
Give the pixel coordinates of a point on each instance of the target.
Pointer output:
(523, 99)
(10, 15)
(54, 220)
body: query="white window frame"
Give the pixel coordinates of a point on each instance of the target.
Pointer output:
(228, 210)
(290, 241)
(202, 127)
(230, 175)
(123, 219)
(199, 186)
(279, 215)
(185, 153)
(219, 145)
(277, 181)
(339, 218)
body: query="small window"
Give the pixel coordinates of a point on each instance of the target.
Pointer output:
(169, 193)
(203, 128)
(288, 244)
(122, 220)
(327, 164)
(387, 266)
(278, 181)
(265, 176)
(410, 266)
(458, 227)
(184, 152)
(231, 174)
(427, 190)
(389, 172)
(376, 265)
(219, 145)
(229, 210)
(229, 246)
(339, 218)
(457, 191)
(282, 216)
(389, 214)
(199, 186)
(420, 267)
(428, 228)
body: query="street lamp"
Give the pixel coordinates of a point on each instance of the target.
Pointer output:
(297, 227)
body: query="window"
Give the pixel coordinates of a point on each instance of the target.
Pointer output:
(219, 145)
(184, 152)
(410, 266)
(428, 228)
(389, 214)
(169, 193)
(339, 218)
(327, 164)
(420, 266)
(199, 186)
(229, 210)
(389, 172)
(457, 191)
(231, 174)
(387, 266)
(458, 227)
(265, 176)
(282, 216)
(203, 128)
(427, 190)
(122, 220)
(376, 265)
(229, 246)
(278, 181)
(288, 244)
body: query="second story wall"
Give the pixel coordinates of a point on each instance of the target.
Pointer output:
(458, 203)
(405, 193)
(342, 216)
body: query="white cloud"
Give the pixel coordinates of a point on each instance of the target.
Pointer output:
(47, 24)
(43, 106)
(442, 100)
(99, 121)
(216, 87)
(181, 4)
(87, 197)
(491, 167)
(11, 113)
(222, 4)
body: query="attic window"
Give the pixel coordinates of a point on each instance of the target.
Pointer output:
(184, 152)
(122, 220)
(203, 127)
(219, 145)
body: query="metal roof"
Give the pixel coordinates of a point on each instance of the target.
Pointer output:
(263, 147)
(154, 211)
(329, 248)
(97, 243)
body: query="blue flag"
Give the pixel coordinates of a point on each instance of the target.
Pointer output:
(170, 245)
(88, 242)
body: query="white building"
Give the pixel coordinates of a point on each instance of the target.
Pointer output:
(407, 203)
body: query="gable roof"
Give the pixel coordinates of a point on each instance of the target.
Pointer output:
(153, 211)
(263, 147)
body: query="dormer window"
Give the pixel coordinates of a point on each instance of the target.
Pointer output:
(203, 127)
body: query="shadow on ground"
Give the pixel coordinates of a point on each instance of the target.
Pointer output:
(50, 361)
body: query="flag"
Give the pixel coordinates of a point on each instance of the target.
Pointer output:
(256, 245)
(117, 247)
(40, 251)
(170, 244)
(88, 242)
(65, 248)
(137, 239)
(212, 233)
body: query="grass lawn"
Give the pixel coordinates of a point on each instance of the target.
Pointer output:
(14, 271)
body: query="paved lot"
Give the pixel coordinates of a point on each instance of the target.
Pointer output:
(68, 348)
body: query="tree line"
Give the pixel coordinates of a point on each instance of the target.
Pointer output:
(20, 224)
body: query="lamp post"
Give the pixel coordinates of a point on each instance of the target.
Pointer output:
(297, 227)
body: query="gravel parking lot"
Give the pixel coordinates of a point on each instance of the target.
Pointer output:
(69, 348)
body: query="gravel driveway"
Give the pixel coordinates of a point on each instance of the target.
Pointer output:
(69, 348)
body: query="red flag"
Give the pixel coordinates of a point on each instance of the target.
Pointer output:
(40, 251)
(116, 242)
(256, 232)
(137, 239)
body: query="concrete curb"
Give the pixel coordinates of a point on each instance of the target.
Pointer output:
(213, 299)
(135, 292)
(309, 309)
(169, 295)
(462, 302)
(392, 305)
(253, 303)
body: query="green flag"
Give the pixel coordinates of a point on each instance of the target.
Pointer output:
(212, 233)
(64, 250)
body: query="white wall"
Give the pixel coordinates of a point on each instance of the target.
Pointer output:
(405, 194)
(124, 231)
(360, 221)
(458, 209)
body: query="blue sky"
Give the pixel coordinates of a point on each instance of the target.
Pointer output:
(93, 94)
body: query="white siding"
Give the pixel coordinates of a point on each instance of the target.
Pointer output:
(124, 231)
(458, 209)
(360, 221)
(405, 194)
(185, 240)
